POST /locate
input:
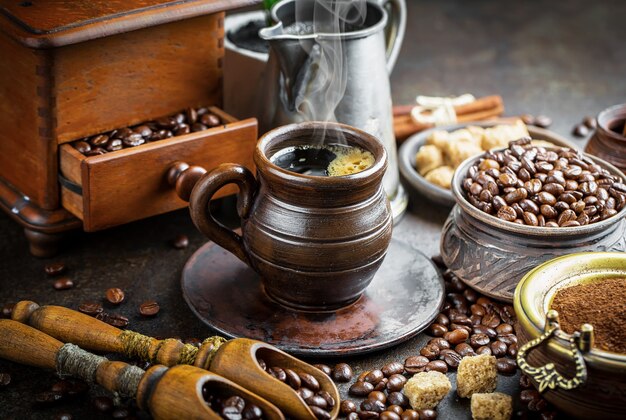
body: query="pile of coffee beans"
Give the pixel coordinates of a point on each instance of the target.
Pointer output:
(231, 407)
(536, 186)
(306, 386)
(532, 400)
(189, 121)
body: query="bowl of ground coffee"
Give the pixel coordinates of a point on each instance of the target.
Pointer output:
(571, 332)
(521, 206)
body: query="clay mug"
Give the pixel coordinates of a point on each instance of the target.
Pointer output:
(316, 241)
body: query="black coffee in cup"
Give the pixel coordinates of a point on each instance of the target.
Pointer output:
(327, 160)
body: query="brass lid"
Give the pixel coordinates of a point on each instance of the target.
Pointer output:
(42, 24)
(535, 292)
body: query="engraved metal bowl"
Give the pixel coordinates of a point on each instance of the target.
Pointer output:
(492, 255)
(603, 394)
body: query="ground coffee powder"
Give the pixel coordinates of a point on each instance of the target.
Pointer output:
(601, 304)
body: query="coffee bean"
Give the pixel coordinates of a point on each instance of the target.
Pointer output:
(342, 373)
(361, 389)
(440, 342)
(483, 350)
(410, 415)
(373, 405)
(149, 308)
(103, 404)
(382, 385)
(377, 395)
(392, 368)
(210, 120)
(506, 366)
(368, 415)
(455, 337)
(482, 329)
(452, 358)
(347, 407)
(330, 401)
(543, 121)
(304, 393)
(589, 122)
(427, 414)
(464, 350)
(389, 415)
(114, 295)
(430, 351)
(508, 339)
(580, 130)
(293, 379)
(63, 416)
(116, 320)
(397, 398)
(317, 401)
(374, 376)
(498, 348)
(437, 330)
(278, 373)
(324, 368)
(479, 340)
(362, 375)
(512, 350)
(180, 242)
(320, 413)
(63, 283)
(396, 382)
(504, 329)
(54, 269)
(436, 365)
(353, 416)
(5, 379)
(48, 398)
(7, 310)
(90, 308)
(491, 320)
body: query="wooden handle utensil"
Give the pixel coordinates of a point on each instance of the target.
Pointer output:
(166, 394)
(236, 359)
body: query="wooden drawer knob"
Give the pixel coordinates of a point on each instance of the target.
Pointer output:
(184, 177)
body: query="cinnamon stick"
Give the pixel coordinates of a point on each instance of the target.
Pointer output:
(480, 104)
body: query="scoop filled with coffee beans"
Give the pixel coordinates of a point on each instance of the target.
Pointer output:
(188, 121)
(545, 187)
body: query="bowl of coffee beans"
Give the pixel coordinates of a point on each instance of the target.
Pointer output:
(571, 313)
(521, 206)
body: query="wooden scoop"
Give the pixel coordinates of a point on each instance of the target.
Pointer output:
(174, 393)
(236, 359)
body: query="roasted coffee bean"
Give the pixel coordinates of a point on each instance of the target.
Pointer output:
(506, 366)
(410, 415)
(7, 310)
(389, 415)
(149, 308)
(467, 328)
(430, 351)
(66, 416)
(392, 368)
(504, 329)
(580, 130)
(590, 122)
(5, 379)
(116, 320)
(452, 358)
(293, 379)
(180, 242)
(396, 382)
(262, 363)
(103, 404)
(115, 295)
(482, 329)
(455, 337)
(362, 376)
(347, 407)
(373, 405)
(210, 120)
(54, 269)
(427, 414)
(374, 376)
(508, 339)
(99, 140)
(491, 320)
(82, 146)
(483, 350)
(538, 405)
(317, 401)
(304, 393)
(479, 340)
(353, 416)
(498, 348)
(442, 320)
(47, 398)
(397, 398)
(415, 364)
(436, 365)
(63, 283)
(377, 395)
(382, 385)
(477, 310)
(328, 371)
(464, 350)
(512, 350)
(330, 401)
(342, 373)
(90, 308)
(361, 389)
(278, 373)
(440, 342)
(395, 408)
(368, 415)
(543, 121)
(320, 413)
(437, 330)
(507, 213)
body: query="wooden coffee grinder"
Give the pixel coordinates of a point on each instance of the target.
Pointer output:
(76, 68)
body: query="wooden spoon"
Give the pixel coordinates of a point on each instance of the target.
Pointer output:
(174, 393)
(236, 359)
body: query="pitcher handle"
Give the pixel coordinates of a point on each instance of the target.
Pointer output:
(395, 29)
(205, 188)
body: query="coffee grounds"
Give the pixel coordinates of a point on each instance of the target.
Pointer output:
(601, 304)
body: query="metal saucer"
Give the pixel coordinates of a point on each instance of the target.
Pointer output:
(404, 297)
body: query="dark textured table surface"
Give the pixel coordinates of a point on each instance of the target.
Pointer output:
(563, 59)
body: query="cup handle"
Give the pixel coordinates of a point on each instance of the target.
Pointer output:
(394, 32)
(205, 188)
(546, 376)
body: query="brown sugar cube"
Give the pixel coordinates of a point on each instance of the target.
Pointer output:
(493, 406)
(426, 389)
(476, 374)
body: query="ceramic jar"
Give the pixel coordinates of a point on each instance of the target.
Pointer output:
(606, 143)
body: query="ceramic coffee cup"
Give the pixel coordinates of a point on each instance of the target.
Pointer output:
(316, 241)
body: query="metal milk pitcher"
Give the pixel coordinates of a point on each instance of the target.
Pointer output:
(301, 44)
